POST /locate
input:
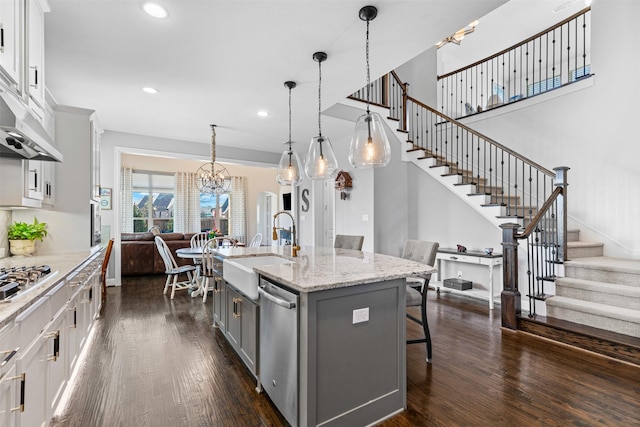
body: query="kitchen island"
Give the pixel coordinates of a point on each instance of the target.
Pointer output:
(332, 352)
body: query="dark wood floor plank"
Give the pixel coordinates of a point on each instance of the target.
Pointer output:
(158, 362)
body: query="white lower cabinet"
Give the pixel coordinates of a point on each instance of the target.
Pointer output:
(32, 364)
(40, 348)
(10, 384)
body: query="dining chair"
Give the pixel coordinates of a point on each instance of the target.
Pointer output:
(416, 290)
(103, 272)
(198, 240)
(344, 241)
(225, 241)
(172, 270)
(207, 270)
(256, 241)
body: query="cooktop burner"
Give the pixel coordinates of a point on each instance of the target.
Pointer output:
(16, 279)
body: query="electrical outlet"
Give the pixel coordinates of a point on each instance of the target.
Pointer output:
(361, 315)
(459, 274)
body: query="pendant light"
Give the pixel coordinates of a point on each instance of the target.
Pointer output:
(289, 167)
(213, 177)
(321, 162)
(369, 145)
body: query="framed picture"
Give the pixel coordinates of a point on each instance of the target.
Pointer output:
(105, 198)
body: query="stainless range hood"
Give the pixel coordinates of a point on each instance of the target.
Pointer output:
(21, 135)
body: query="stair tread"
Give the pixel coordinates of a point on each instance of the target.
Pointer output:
(592, 285)
(595, 308)
(624, 265)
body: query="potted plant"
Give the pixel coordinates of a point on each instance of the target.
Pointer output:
(22, 236)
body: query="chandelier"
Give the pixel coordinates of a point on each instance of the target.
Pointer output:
(289, 166)
(369, 145)
(213, 177)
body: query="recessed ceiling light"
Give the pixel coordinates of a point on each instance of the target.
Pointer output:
(150, 90)
(155, 10)
(263, 113)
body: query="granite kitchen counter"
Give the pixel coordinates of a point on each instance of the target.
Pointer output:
(61, 265)
(317, 269)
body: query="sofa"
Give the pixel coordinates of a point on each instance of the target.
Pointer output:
(139, 255)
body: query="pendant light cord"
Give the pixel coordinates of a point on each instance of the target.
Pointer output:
(368, 73)
(319, 97)
(213, 144)
(289, 119)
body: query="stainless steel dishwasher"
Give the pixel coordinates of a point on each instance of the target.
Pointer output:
(279, 347)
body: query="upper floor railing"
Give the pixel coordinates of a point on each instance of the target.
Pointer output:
(555, 57)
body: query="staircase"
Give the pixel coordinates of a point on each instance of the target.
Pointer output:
(596, 304)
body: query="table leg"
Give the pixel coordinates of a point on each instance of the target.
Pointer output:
(491, 286)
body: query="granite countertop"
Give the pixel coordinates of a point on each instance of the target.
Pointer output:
(317, 269)
(61, 265)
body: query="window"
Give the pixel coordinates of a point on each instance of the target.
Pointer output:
(214, 212)
(152, 195)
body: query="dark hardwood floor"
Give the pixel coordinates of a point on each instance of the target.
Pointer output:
(157, 362)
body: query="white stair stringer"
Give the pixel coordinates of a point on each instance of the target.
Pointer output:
(349, 109)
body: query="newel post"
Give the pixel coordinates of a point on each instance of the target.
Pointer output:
(510, 296)
(561, 181)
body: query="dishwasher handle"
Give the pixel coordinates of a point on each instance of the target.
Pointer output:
(276, 300)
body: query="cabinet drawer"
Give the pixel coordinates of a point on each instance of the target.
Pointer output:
(31, 322)
(9, 343)
(58, 297)
(460, 258)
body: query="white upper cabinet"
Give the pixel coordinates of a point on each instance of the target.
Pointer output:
(34, 66)
(10, 41)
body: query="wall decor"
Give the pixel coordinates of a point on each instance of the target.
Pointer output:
(343, 182)
(105, 199)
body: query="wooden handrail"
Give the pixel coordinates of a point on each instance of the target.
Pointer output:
(486, 138)
(502, 52)
(545, 207)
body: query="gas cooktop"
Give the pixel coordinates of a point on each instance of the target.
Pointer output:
(16, 281)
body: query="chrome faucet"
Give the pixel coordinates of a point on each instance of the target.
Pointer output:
(294, 241)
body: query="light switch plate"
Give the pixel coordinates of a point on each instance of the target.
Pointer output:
(361, 315)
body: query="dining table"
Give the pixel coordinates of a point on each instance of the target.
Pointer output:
(196, 255)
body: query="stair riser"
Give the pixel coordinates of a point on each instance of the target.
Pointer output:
(606, 276)
(585, 252)
(608, 324)
(603, 297)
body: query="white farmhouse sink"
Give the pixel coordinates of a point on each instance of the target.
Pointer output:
(239, 272)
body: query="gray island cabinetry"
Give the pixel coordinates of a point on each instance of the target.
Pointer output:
(332, 334)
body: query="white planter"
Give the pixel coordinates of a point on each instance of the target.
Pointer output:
(22, 247)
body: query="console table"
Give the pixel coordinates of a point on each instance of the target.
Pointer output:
(479, 258)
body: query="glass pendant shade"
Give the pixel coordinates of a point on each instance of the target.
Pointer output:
(321, 162)
(369, 145)
(289, 172)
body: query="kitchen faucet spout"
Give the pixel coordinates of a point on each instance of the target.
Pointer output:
(294, 241)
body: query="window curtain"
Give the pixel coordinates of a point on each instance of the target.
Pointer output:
(186, 214)
(126, 198)
(238, 208)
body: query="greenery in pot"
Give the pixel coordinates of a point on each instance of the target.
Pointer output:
(25, 231)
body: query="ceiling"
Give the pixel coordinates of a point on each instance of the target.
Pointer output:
(220, 61)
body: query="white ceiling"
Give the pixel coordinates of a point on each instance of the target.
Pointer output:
(220, 61)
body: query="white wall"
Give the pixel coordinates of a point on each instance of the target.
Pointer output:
(592, 131)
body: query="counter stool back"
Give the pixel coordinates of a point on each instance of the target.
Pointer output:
(172, 269)
(424, 252)
(344, 241)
